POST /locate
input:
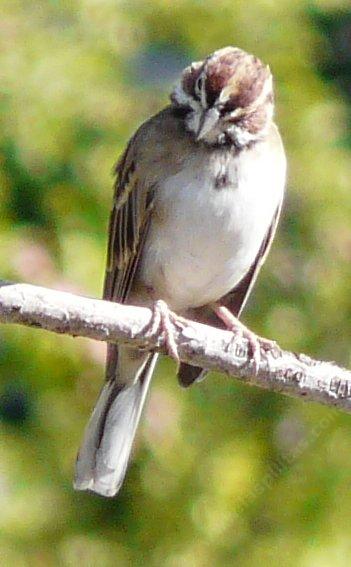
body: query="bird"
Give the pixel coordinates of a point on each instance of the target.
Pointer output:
(197, 198)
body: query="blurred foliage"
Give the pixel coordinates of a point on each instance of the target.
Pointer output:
(223, 474)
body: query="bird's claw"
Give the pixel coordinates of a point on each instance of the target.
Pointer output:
(163, 322)
(255, 343)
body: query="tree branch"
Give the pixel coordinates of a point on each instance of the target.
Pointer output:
(293, 374)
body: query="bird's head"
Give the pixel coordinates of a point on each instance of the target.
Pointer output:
(227, 98)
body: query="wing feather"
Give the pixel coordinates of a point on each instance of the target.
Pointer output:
(128, 226)
(129, 223)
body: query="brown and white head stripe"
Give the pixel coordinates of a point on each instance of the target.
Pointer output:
(227, 98)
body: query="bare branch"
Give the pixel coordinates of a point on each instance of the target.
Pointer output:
(200, 345)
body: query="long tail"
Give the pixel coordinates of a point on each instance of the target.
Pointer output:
(104, 454)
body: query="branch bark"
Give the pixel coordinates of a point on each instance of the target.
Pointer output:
(293, 374)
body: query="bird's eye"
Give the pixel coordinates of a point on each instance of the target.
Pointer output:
(199, 84)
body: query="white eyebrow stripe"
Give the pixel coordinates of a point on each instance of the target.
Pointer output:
(184, 98)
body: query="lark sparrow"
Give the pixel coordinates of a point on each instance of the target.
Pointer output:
(198, 194)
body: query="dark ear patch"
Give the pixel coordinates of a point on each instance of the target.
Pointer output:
(181, 111)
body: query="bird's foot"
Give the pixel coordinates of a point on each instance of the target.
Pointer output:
(163, 322)
(239, 330)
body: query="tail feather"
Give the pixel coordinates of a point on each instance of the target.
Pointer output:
(103, 457)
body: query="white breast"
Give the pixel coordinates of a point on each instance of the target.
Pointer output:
(204, 239)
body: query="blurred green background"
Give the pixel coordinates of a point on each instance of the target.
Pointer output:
(222, 474)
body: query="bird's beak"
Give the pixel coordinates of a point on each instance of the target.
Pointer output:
(208, 120)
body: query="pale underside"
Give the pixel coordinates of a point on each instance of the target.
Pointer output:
(209, 222)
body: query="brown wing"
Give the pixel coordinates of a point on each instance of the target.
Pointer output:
(128, 226)
(129, 222)
(235, 301)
